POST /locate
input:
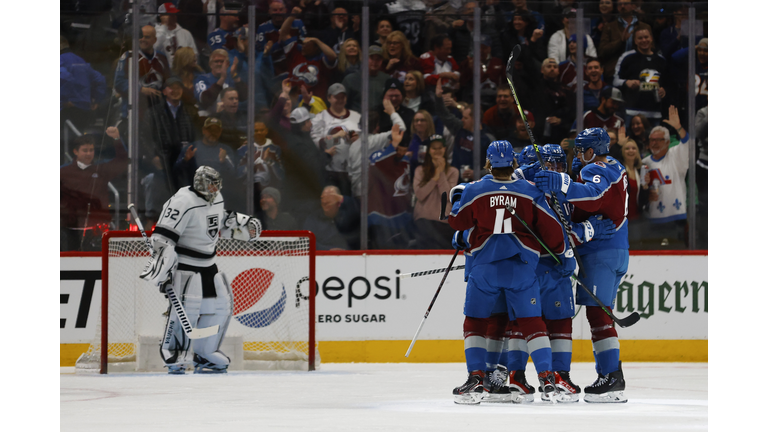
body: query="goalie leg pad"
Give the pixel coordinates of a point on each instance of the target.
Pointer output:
(175, 347)
(215, 311)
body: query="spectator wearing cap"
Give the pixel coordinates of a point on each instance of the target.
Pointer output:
(208, 86)
(618, 36)
(273, 219)
(336, 115)
(437, 63)
(398, 57)
(593, 83)
(376, 80)
(679, 69)
(170, 35)
(394, 92)
(557, 47)
(304, 164)
(223, 37)
(209, 152)
(82, 89)
(500, 118)
(431, 179)
(463, 132)
(309, 60)
(154, 69)
(164, 130)
(605, 115)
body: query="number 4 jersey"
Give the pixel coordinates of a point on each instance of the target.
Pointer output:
(495, 234)
(193, 225)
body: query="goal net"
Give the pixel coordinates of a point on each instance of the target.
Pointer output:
(273, 324)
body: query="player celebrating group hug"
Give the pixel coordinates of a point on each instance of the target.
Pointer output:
(518, 229)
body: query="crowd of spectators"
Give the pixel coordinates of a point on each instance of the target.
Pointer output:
(194, 94)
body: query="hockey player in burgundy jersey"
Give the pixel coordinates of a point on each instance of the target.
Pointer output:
(505, 255)
(601, 190)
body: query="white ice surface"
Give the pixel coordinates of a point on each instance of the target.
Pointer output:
(371, 397)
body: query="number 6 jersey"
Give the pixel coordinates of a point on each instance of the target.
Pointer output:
(193, 225)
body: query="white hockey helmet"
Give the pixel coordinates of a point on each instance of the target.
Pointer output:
(207, 182)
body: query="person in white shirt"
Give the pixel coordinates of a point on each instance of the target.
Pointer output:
(170, 35)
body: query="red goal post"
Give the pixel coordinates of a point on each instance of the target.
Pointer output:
(273, 323)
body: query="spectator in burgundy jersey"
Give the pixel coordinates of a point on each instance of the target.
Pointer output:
(500, 118)
(491, 74)
(438, 63)
(604, 116)
(398, 57)
(154, 69)
(567, 68)
(84, 195)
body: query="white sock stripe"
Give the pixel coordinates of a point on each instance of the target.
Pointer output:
(606, 344)
(518, 345)
(474, 342)
(538, 343)
(597, 329)
(493, 345)
(561, 345)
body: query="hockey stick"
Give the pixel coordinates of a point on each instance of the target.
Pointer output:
(443, 202)
(430, 272)
(633, 318)
(439, 287)
(192, 333)
(510, 66)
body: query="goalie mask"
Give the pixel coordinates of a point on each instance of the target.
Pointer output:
(207, 183)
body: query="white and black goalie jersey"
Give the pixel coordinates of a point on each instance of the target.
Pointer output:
(189, 221)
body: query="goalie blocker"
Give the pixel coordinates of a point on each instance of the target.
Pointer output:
(184, 241)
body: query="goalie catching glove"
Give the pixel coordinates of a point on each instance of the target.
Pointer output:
(594, 228)
(240, 226)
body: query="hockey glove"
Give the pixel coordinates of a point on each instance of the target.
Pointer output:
(576, 167)
(529, 171)
(551, 181)
(458, 241)
(162, 265)
(456, 192)
(567, 263)
(593, 229)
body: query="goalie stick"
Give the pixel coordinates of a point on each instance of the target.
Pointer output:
(192, 333)
(510, 66)
(633, 318)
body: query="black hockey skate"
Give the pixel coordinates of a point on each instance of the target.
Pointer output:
(472, 391)
(522, 392)
(607, 388)
(494, 386)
